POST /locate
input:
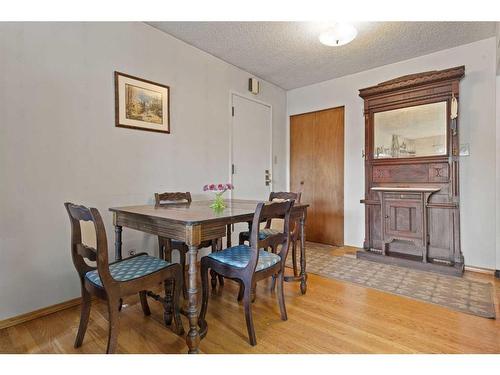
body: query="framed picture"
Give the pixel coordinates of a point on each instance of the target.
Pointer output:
(141, 104)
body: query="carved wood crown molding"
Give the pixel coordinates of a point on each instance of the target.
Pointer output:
(412, 80)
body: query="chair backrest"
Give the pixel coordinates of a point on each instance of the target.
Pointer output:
(80, 251)
(267, 211)
(285, 195)
(162, 199)
(282, 195)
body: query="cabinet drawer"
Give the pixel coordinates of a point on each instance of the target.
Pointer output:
(408, 196)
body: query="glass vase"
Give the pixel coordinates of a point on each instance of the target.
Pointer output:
(218, 203)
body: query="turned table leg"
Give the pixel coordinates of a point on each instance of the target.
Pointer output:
(118, 242)
(303, 274)
(193, 336)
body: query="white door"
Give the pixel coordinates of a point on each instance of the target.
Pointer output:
(251, 149)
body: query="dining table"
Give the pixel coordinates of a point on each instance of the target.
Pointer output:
(194, 223)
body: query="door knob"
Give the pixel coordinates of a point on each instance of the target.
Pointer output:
(302, 182)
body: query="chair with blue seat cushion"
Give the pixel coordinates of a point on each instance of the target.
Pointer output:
(112, 282)
(239, 256)
(250, 264)
(129, 269)
(267, 231)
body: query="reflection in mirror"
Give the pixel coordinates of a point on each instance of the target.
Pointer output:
(410, 132)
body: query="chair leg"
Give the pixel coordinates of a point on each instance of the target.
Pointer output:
(84, 317)
(273, 277)
(114, 323)
(221, 279)
(216, 246)
(254, 292)
(213, 280)
(273, 283)
(294, 258)
(179, 328)
(281, 296)
(204, 292)
(144, 303)
(182, 261)
(168, 305)
(161, 253)
(241, 291)
(228, 235)
(167, 250)
(248, 314)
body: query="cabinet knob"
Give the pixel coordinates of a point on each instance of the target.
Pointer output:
(387, 216)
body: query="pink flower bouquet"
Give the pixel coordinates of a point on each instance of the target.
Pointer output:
(219, 189)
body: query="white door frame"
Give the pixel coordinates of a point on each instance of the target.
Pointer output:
(231, 120)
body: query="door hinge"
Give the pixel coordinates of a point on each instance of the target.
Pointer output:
(232, 168)
(232, 111)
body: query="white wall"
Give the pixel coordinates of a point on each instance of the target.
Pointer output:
(498, 145)
(498, 172)
(477, 127)
(58, 141)
(498, 47)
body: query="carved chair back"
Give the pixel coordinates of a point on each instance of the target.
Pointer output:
(264, 212)
(282, 195)
(162, 199)
(285, 195)
(80, 251)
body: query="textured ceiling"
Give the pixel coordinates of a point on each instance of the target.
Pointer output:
(290, 55)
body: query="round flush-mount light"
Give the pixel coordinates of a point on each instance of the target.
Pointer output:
(338, 35)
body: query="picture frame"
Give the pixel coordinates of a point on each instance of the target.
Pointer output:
(141, 104)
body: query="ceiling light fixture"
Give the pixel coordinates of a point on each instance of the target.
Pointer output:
(338, 35)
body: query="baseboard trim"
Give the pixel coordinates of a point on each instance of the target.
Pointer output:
(15, 320)
(480, 270)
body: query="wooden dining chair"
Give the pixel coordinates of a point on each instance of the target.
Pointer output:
(267, 230)
(113, 281)
(167, 245)
(250, 264)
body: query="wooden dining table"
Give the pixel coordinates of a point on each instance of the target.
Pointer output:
(194, 223)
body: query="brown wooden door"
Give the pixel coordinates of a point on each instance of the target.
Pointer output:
(317, 170)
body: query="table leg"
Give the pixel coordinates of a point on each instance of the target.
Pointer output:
(193, 336)
(118, 242)
(228, 235)
(303, 274)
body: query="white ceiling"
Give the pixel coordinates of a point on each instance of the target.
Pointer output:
(290, 55)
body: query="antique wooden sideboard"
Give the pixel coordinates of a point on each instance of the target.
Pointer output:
(411, 171)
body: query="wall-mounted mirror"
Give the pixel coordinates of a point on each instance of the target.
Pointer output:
(410, 132)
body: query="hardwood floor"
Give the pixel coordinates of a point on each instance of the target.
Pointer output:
(333, 317)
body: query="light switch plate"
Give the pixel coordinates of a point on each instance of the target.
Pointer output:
(464, 149)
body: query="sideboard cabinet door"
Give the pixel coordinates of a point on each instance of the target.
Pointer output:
(403, 220)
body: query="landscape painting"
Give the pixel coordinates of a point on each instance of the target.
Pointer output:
(141, 104)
